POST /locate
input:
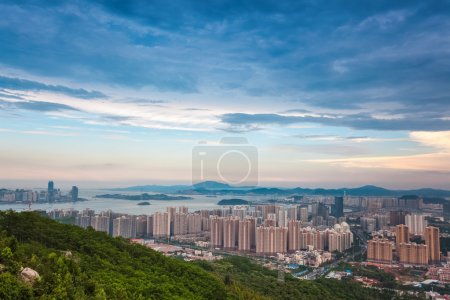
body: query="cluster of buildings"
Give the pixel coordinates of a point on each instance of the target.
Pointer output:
(389, 203)
(30, 196)
(382, 249)
(264, 229)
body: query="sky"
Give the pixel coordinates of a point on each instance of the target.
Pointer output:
(329, 93)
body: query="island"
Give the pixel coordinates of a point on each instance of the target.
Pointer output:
(144, 196)
(233, 202)
(144, 203)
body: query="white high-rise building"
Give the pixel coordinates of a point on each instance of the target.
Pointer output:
(416, 223)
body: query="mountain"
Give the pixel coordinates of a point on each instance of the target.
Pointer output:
(167, 189)
(218, 188)
(211, 185)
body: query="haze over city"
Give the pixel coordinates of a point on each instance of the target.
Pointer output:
(331, 94)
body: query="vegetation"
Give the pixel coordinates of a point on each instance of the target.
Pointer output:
(144, 203)
(75, 263)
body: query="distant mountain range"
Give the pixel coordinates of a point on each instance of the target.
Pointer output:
(218, 188)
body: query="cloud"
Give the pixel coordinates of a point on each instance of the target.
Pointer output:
(28, 85)
(438, 140)
(437, 162)
(356, 121)
(36, 106)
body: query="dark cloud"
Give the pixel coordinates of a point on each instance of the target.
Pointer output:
(28, 85)
(36, 106)
(344, 57)
(356, 121)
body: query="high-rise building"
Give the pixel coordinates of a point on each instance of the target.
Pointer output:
(368, 224)
(322, 210)
(216, 229)
(149, 225)
(413, 254)
(141, 226)
(194, 223)
(161, 225)
(51, 192)
(303, 211)
(183, 209)
(171, 216)
(338, 210)
(230, 232)
(446, 210)
(416, 223)
(379, 250)
(401, 234)
(433, 243)
(124, 226)
(382, 221)
(397, 217)
(180, 224)
(292, 213)
(246, 237)
(74, 193)
(294, 228)
(271, 240)
(100, 223)
(282, 218)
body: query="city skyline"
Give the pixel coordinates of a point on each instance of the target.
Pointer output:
(107, 95)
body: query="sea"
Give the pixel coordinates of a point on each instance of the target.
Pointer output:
(198, 202)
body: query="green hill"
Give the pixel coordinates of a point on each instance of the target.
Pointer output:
(74, 263)
(97, 267)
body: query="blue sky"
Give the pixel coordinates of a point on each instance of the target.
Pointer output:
(332, 93)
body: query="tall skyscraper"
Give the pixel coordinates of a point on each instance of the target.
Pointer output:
(50, 192)
(74, 193)
(433, 243)
(338, 207)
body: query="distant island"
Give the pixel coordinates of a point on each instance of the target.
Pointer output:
(144, 203)
(233, 202)
(144, 196)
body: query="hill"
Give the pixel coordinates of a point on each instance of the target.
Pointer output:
(75, 263)
(233, 202)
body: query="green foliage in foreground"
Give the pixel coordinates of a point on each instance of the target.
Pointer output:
(75, 263)
(97, 267)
